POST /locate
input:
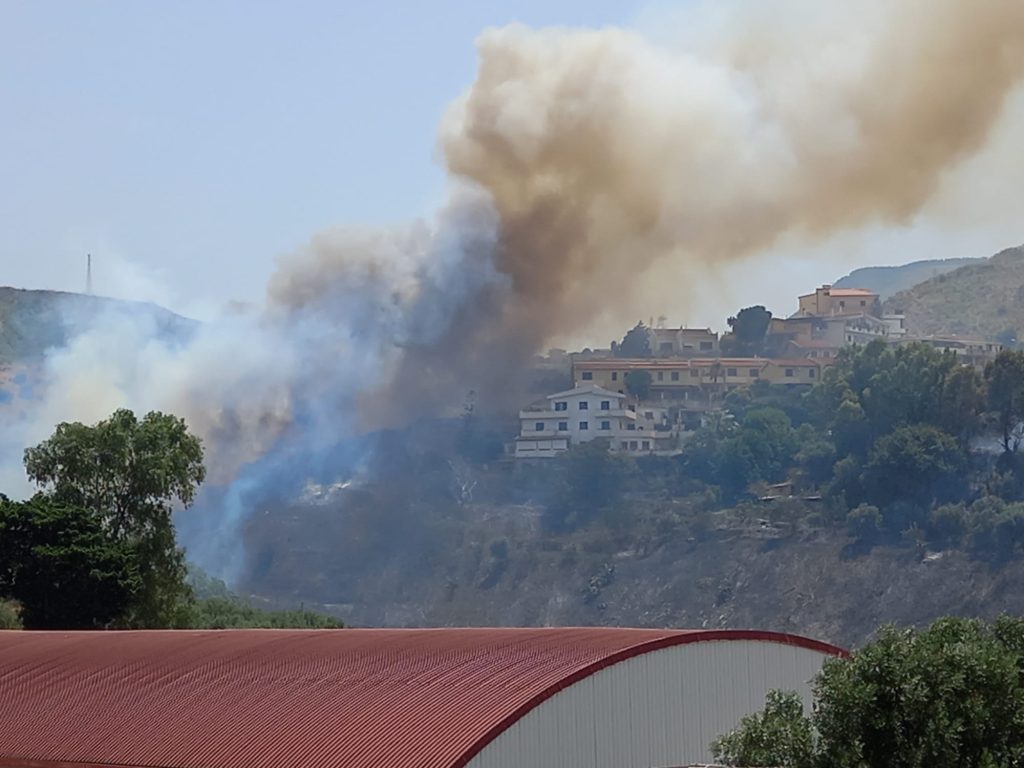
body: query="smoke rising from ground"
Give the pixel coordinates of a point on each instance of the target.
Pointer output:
(585, 165)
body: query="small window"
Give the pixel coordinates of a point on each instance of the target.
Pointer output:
(649, 415)
(661, 375)
(631, 427)
(675, 375)
(665, 346)
(539, 426)
(646, 445)
(561, 406)
(789, 373)
(587, 375)
(754, 373)
(615, 375)
(606, 405)
(842, 305)
(705, 346)
(584, 405)
(606, 425)
(563, 426)
(812, 373)
(625, 445)
(730, 371)
(584, 426)
(632, 445)
(863, 303)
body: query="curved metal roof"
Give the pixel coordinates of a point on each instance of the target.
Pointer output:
(281, 698)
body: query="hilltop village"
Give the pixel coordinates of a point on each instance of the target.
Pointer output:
(645, 394)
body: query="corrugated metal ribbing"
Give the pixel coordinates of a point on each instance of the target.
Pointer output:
(276, 699)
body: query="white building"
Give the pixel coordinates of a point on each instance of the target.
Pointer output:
(589, 413)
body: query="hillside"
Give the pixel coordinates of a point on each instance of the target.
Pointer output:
(494, 565)
(886, 281)
(984, 299)
(32, 322)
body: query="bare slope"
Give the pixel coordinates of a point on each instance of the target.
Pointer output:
(886, 281)
(984, 299)
(487, 565)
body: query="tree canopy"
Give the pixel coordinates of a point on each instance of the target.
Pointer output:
(636, 342)
(749, 327)
(950, 695)
(62, 565)
(127, 473)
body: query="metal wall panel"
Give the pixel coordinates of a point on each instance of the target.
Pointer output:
(655, 710)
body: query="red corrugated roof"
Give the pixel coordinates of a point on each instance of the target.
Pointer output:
(276, 698)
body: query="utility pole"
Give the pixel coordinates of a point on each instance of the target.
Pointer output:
(88, 274)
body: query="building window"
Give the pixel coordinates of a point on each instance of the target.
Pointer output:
(863, 303)
(705, 346)
(615, 375)
(625, 445)
(584, 426)
(730, 371)
(584, 405)
(632, 445)
(754, 373)
(646, 445)
(539, 426)
(812, 373)
(561, 406)
(661, 375)
(789, 373)
(606, 425)
(606, 405)
(587, 375)
(649, 415)
(675, 375)
(563, 426)
(665, 346)
(842, 305)
(630, 427)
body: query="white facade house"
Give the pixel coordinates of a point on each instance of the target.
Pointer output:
(589, 413)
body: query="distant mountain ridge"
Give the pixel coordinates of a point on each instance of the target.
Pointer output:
(983, 299)
(887, 281)
(34, 321)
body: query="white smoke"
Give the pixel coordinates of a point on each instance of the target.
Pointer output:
(595, 173)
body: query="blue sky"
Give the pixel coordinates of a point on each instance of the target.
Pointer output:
(199, 140)
(188, 144)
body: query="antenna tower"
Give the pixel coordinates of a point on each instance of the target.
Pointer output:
(88, 274)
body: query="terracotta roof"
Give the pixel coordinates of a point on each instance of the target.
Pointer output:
(653, 363)
(430, 698)
(851, 292)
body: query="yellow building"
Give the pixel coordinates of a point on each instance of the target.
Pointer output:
(826, 301)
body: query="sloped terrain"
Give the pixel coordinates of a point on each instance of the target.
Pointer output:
(886, 281)
(32, 322)
(985, 299)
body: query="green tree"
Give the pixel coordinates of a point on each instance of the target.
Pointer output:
(129, 472)
(63, 566)
(919, 464)
(1005, 379)
(636, 342)
(950, 695)
(780, 736)
(10, 615)
(749, 327)
(638, 384)
(761, 449)
(594, 480)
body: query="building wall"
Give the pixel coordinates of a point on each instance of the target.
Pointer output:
(655, 710)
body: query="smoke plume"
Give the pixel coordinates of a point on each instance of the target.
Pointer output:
(586, 165)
